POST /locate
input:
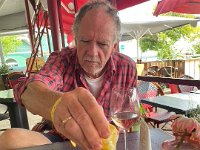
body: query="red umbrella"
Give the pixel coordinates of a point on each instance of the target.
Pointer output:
(68, 11)
(122, 4)
(179, 6)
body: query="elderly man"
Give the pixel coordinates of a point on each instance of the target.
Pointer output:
(75, 84)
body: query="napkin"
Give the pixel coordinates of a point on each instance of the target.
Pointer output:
(145, 136)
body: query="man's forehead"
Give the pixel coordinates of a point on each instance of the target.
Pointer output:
(97, 23)
(97, 12)
(98, 17)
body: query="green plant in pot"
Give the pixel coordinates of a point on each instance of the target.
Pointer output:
(4, 70)
(195, 113)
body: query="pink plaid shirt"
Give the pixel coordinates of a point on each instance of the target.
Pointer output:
(62, 73)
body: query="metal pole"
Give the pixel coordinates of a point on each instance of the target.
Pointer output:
(28, 17)
(54, 23)
(61, 24)
(1, 55)
(139, 57)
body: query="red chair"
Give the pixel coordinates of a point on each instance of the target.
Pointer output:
(173, 88)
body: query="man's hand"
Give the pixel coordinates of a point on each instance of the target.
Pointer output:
(79, 117)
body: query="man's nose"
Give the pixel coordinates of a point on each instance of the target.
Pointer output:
(93, 49)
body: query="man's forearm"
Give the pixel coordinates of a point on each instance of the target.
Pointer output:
(39, 99)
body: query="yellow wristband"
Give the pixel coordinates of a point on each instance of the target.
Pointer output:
(73, 143)
(54, 108)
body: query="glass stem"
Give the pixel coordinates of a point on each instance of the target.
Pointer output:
(125, 141)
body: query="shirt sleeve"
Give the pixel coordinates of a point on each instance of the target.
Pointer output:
(50, 74)
(134, 77)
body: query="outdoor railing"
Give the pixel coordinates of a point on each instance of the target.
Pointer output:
(176, 81)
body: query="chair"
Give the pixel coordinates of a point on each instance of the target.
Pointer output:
(152, 71)
(148, 90)
(10, 81)
(173, 88)
(43, 125)
(13, 78)
(168, 71)
(185, 88)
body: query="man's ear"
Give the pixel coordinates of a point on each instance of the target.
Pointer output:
(72, 44)
(116, 47)
(75, 41)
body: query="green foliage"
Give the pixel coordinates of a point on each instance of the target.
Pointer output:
(4, 69)
(195, 113)
(197, 47)
(10, 44)
(178, 15)
(163, 42)
(148, 42)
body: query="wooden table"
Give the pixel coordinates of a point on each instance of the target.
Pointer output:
(17, 114)
(157, 137)
(180, 103)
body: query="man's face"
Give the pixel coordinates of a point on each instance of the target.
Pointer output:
(94, 42)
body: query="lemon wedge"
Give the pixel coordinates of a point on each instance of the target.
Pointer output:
(111, 142)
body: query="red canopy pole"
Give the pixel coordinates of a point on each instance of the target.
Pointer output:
(54, 23)
(29, 24)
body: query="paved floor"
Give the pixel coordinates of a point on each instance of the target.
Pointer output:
(32, 119)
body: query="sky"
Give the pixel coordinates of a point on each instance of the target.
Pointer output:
(139, 10)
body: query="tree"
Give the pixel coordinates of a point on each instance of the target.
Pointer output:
(10, 44)
(163, 42)
(197, 47)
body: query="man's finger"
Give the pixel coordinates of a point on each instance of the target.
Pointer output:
(84, 121)
(71, 130)
(95, 111)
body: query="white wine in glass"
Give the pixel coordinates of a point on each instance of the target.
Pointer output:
(125, 120)
(124, 109)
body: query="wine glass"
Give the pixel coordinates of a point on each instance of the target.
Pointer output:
(124, 109)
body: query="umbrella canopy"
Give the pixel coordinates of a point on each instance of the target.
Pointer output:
(136, 28)
(12, 16)
(179, 6)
